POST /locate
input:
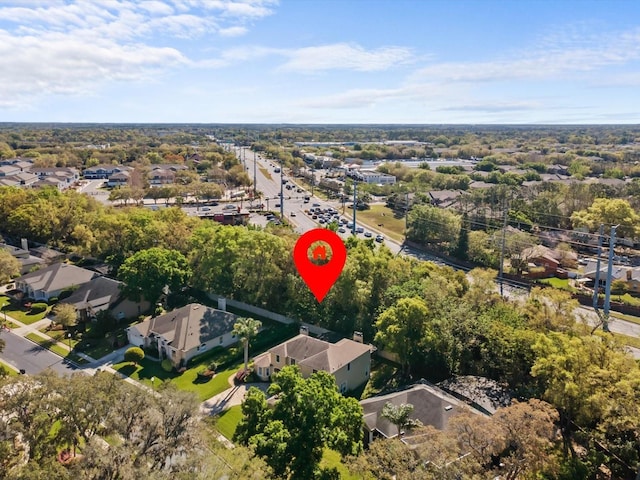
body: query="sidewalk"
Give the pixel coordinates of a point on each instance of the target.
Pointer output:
(234, 395)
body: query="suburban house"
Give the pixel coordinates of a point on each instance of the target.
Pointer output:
(160, 176)
(102, 293)
(431, 405)
(49, 281)
(104, 171)
(60, 177)
(183, 333)
(348, 361)
(629, 275)
(27, 261)
(119, 179)
(444, 198)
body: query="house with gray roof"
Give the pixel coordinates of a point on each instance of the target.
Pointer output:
(102, 293)
(348, 361)
(49, 281)
(183, 333)
(431, 405)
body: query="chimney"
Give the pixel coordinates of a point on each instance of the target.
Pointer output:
(358, 337)
(24, 244)
(304, 330)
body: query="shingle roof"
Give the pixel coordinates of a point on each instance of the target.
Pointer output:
(98, 292)
(431, 405)
(56, 277)
(320, 355)
(190, 326)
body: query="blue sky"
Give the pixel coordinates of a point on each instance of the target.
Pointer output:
(320, 61)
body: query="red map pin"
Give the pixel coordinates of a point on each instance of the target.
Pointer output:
(320, 276)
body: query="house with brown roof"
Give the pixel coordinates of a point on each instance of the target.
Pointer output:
(348, 361)
(183, 333)
(48, 282)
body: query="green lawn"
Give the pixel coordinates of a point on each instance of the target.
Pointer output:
(228, 420)
(60, 336)
(392, 227)
(9, 369)
(49, 344)
(628, 340)
(628, 318)
(23, 316)
(187, 381)
(331, 458)
(559, 283)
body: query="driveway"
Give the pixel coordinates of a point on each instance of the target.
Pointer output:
(24, 354)
(230, 397)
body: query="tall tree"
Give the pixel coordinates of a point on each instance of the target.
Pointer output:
(309, 415)
(65, 314)
(245, 329)
(400, 328)
(9, 266)
(148, 272)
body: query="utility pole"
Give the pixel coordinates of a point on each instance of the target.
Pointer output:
(355, 188)
(607, 292)
(281, 189)
(504, 235)
(596, 285)
(255, 174)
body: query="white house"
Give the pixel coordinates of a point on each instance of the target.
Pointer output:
(183, 333)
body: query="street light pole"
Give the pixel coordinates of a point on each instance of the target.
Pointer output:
(281, 189)
(69, 337)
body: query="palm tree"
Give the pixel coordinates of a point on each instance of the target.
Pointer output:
(246, 329)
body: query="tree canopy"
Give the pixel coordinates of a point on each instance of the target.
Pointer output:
(309, 415)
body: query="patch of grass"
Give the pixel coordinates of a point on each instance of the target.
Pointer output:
(382, 218)
(559, 283)
(8, 368)
(623, 316)
(49, 344)
(265, 172)
(227, 421)
(331, 459)
(384, 376)
(25, 317)
(60, 336)
(187, 381)
(628, 340)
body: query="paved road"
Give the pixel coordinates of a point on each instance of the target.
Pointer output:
(24, 354)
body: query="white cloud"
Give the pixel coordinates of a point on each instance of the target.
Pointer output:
(232, 31)
(343, 56)
(74, 47)
(561, 58)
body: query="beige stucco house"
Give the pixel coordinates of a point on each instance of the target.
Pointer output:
(183, 333)
(348, 361)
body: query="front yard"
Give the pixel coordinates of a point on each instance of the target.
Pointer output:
(21, 314)
(187, 381)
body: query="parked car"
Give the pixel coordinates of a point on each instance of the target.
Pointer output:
(359, 229)
(341, 230)
(379, 238)
(368, 234)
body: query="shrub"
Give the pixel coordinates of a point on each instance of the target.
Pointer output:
(134, 355)
(201, 370)
(53, 300)
(166, 365)
(213, 366)
(38, 307)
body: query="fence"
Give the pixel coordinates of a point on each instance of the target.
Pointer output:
(313, 329)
